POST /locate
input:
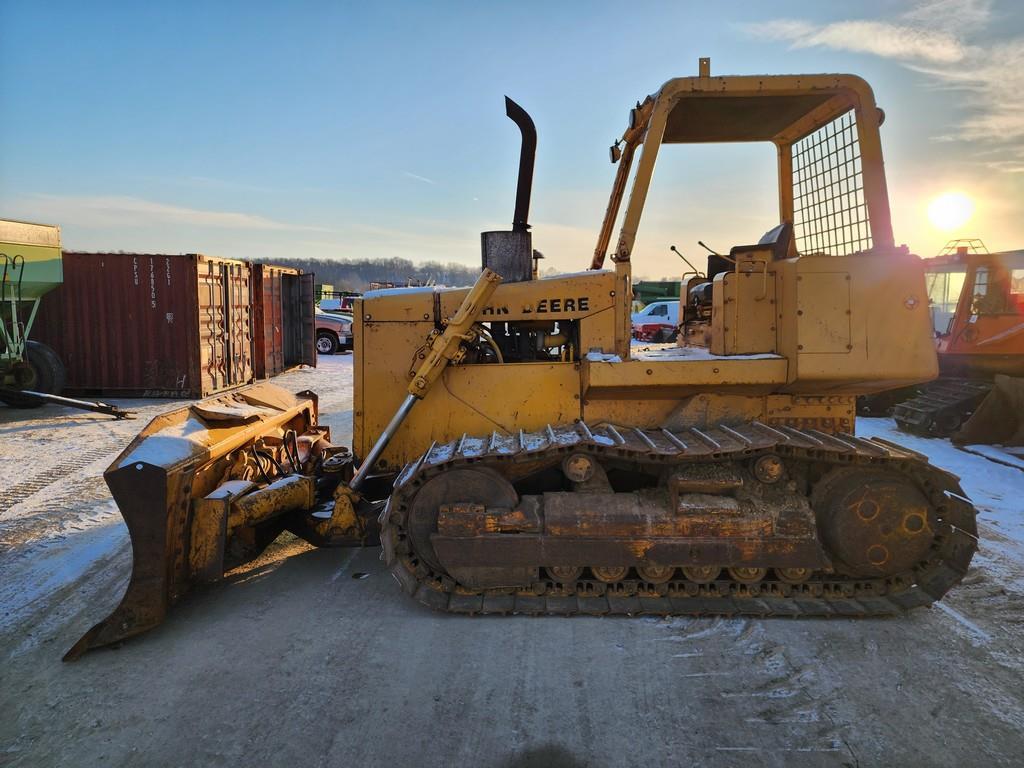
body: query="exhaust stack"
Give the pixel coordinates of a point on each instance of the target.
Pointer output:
(510, 253)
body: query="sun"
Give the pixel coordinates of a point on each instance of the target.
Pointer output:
(950, 210)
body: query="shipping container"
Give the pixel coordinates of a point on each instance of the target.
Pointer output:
(284, 333)
(151, 325)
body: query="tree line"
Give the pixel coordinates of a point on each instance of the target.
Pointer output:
(357, 274)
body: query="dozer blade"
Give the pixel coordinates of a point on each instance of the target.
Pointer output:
(175, 486)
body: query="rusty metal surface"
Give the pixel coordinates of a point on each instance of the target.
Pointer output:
(283, 328)
(224, 304)
(742, 579)
(874, 521)
(150, 325)
(183, 457)
(523, 550)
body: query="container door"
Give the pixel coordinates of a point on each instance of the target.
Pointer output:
(225, 325)
(306, 298)
(212, 332)
(239, 311)
(259, 344)
(273, 322)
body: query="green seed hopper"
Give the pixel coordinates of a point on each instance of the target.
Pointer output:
(30, 267)
(646, 291)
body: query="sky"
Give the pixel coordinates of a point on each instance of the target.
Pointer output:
(354, 129)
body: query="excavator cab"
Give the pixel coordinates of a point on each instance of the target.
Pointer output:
(985, 334)
(977, 302)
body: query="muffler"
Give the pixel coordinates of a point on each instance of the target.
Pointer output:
(510, 253)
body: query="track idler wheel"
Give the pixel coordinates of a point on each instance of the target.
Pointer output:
(701, 574)
(655, 574)
(873, 522)
(475, 485)
(564, 574)
(746, 575)
(610, 574)
(794, 575)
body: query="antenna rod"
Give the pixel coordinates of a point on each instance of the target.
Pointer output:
(677, 253)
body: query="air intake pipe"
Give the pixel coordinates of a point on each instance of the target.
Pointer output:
(510, 253)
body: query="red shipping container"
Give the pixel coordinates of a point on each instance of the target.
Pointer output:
(151, 325)
(284, 332)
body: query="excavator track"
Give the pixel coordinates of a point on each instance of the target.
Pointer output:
(826, 461)
(941, 406)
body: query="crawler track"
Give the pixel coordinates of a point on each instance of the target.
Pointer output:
(824, 594)
(941, 406)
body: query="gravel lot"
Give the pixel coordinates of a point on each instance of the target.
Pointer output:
(315, 658)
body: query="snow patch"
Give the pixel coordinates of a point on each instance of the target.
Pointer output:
(672, 352)
(996, 453)
(976, 634)
(52, 564)
(170, 445)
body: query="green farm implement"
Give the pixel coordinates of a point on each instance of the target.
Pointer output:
(31, 374)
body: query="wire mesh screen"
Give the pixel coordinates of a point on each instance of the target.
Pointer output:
(829, 212)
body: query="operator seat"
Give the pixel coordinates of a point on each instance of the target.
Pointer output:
(776, 240)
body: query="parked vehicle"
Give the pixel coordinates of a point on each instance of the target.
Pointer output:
(658, 321)
(339, 302)
(333, 332)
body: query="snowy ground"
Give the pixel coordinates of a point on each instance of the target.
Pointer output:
(313, 657)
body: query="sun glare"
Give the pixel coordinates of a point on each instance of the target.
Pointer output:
(950, 211)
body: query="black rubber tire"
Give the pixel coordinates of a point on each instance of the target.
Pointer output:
(327, 336)
(50, 375)
(53, 374)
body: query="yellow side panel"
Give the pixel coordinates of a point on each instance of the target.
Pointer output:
(886, 339)
(823, 313)
(652, 379)
(597, 332)
(677, 414)
(743, 317)
(398, 305)
(473, 399)
(384, 354)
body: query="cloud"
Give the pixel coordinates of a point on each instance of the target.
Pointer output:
(417, 177)
(125, 211)
(961, 16)
(991, 83)
(934, 38)
(880, 38)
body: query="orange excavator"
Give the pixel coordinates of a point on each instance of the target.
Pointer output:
(977, 304)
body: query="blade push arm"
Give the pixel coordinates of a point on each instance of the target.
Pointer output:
(445, 347)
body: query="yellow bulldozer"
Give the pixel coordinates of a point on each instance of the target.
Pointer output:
(513, 453)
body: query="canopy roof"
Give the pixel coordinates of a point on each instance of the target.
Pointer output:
(779, 108)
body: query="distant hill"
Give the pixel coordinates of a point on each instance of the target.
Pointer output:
(357, 274)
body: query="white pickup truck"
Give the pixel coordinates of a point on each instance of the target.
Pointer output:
(658, 321)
